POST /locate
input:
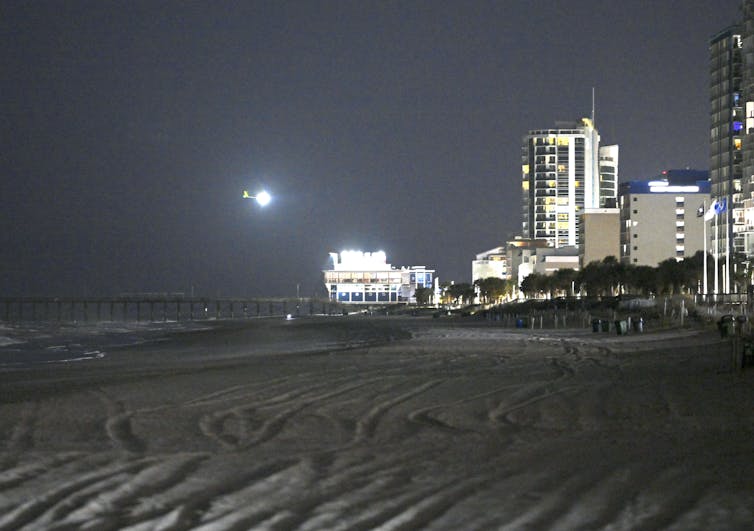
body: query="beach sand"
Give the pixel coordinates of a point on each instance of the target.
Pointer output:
(383, 423)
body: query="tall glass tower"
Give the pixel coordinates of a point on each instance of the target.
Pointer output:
(726, 154)
(564, 171)
(747, 90)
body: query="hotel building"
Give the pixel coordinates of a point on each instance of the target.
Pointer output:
(564, 171)
(726, 143)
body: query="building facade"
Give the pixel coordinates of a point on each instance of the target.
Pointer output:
(608, 176)
(492, 263)
(661, 219)
(564, 171)
(600, 236)
(726, 141)
(747, 90)
(366, 278)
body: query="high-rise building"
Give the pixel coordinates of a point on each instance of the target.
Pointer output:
(564, 171)
(747, 93)
(726, 143)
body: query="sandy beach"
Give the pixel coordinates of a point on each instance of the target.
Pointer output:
(382, 423)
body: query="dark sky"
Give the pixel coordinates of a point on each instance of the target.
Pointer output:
(130, 129)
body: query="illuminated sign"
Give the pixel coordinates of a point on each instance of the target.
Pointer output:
(673, 189)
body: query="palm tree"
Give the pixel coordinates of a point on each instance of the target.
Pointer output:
(460, 293)
(564, 279)
(423, 296)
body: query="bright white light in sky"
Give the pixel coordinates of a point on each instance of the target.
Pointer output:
(263, 198)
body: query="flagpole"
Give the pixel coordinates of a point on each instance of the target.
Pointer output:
(704, 224)
(728, 232)
(717, 248)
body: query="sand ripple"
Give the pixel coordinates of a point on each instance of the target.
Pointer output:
(450, 426)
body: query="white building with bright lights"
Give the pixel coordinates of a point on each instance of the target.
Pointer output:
(564, 172)
(492, 263)
(366, 278)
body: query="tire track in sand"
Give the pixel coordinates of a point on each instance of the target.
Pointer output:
(249, 429)
(118, 426)
(22, 435)
(366, 425)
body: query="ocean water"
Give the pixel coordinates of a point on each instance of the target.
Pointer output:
(41, 343)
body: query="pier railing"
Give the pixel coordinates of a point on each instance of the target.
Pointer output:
(154, 309)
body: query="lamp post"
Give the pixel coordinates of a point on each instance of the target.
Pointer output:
(262, 198)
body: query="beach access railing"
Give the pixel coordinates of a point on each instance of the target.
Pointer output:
(154, 309)
(712, 299)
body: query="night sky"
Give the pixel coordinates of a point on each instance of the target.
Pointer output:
(130, 130)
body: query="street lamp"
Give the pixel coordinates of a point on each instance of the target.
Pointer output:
(262, 198)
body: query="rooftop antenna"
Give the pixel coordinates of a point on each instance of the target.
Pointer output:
(592, 105)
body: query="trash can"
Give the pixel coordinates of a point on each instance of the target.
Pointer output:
(621, 327)
(605, 325)
(596, 324)
(726, 325)
(638, 325)
(740, 322)
(519, 323)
